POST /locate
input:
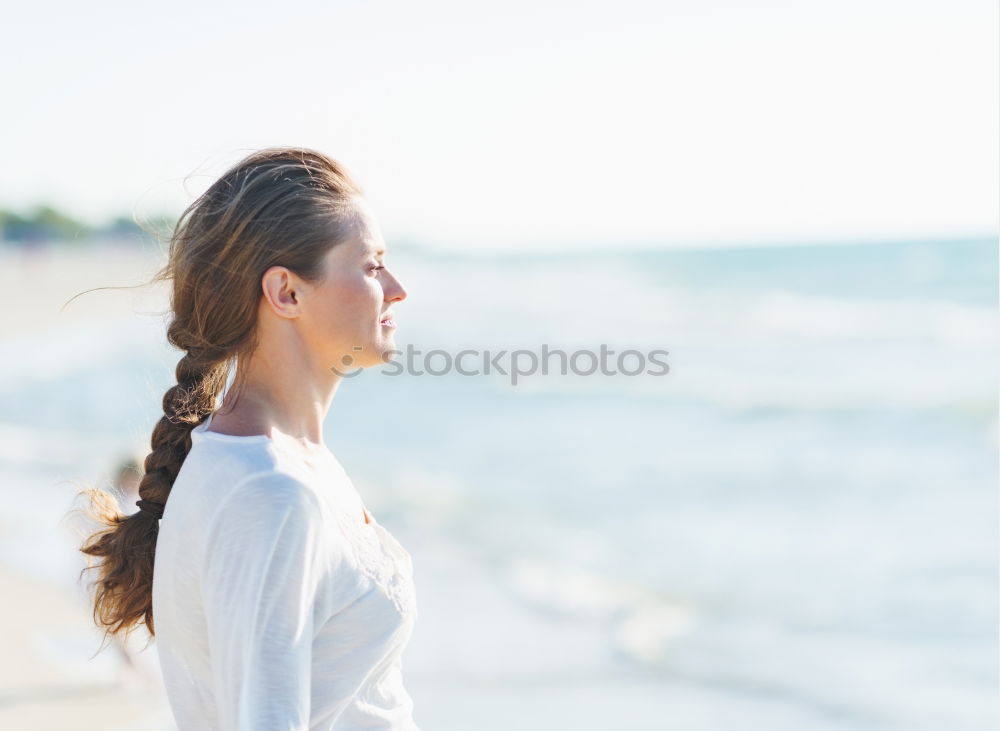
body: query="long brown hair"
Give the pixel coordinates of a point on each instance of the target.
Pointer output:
(279, 206)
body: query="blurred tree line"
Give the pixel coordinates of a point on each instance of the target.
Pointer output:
(46, 224)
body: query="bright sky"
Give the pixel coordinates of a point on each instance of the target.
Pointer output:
(525, 123)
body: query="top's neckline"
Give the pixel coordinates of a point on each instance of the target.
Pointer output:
(202, 431)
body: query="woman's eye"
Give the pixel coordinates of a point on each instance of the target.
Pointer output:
(375, 268)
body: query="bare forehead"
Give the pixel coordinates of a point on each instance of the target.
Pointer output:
(369, 234)
(361, 246)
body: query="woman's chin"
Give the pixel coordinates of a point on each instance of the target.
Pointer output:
(387, 352)
(388, 341)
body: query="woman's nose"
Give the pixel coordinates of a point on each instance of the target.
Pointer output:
(395, 292)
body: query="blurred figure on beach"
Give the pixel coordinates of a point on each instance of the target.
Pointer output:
(126, 482)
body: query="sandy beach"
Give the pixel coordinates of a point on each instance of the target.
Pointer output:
(47, 679)
(40, 284)
(50, 677)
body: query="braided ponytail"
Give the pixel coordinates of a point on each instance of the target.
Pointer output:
(127, 543)
(277, 207)
(200, 380)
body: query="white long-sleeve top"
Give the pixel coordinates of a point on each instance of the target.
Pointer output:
(279, 602)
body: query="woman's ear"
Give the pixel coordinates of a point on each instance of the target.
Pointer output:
(278, 287)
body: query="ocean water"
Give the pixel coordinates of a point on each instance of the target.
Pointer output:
(795, 527)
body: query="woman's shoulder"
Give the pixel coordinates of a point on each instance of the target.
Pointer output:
(245, 482)
(277, 506)
(277, 490)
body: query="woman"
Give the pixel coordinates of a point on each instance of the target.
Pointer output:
(279, 601)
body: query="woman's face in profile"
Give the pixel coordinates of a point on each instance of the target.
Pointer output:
(346, 311)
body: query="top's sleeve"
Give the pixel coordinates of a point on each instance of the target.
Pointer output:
(264, 588)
